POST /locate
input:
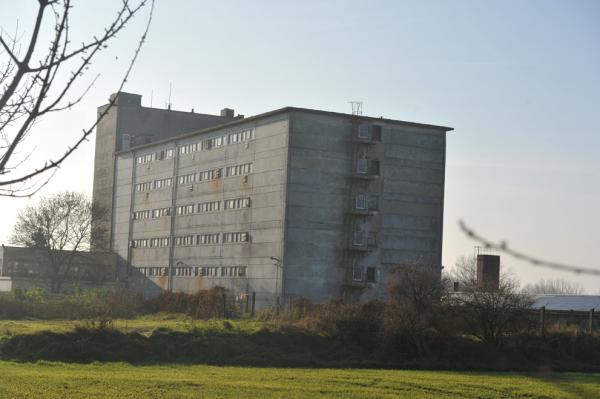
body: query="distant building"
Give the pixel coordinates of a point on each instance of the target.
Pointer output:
(578, 303)
(292, 202)
(23, 268)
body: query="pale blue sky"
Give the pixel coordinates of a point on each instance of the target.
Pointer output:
(518, 80)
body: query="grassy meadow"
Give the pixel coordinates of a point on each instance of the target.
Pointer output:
(120, 380)
(243, 358)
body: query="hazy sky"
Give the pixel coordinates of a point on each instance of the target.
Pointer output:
(518, 80)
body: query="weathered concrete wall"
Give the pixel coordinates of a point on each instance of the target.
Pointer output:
(263, 219)
(412, 203)
(142, 125)
(317, 202)
(29, 267)
(407, 226)
(8, 284)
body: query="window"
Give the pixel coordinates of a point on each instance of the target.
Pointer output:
(233, 271)
(210, 271)
(363, 131)
(164, 154)
(367, 166)
(188, 148)
(211, 206)
(370, 274)
(207, 144)
(208, 239)
(156, 271)
(376, 132)
(235, 237)
(366, 202)
(211, 174)
(184, 209)
(372, 239)
(357, 274)
(374, 167)
(362, 166)
(187, 179)
(143, 187)
(237, 170)
(183, 271)
(247, 134)
(163, 183)
(159, 242)
(360, 238)
(361, 201)
(147, 158)
(215, 142)
(184, 240)
(140, 243)
(239, 137)
(160, 212)
(372, 202)
(236, 203)
(139, 215)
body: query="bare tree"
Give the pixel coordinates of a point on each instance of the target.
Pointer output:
(420, 286)
(490, 314)
(554, 286)
(60, 226)
(414, 313)
(38, 77)
(464, 272)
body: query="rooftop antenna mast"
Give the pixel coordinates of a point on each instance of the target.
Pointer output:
(169, 103)
(356, 107)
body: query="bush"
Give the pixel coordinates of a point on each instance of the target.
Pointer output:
(202, 305)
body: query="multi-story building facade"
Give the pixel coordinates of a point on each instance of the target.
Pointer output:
(293, 202)
(127, 124)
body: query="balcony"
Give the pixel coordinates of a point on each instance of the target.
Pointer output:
(365, 205)
(368, 134)
(363, 241)
(366, 169)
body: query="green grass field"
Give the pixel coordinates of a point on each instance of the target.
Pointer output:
(50, 379)
(118, 380)
(143, 325)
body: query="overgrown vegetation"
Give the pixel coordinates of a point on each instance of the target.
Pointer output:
(421, 325)
(98, 304)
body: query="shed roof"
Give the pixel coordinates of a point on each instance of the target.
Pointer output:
(567, 302)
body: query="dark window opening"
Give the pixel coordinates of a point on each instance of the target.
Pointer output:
(370, 275)
(376, 133)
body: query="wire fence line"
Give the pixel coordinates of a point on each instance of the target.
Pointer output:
(504, 248)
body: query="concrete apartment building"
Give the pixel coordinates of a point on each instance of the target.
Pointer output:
(292, 202)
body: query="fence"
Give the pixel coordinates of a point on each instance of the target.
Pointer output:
(582, 320)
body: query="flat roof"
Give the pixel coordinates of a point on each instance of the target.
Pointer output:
(281, 111)
(567, 302)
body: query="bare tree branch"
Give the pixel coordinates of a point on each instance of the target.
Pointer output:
(29, 92)
(503, 247)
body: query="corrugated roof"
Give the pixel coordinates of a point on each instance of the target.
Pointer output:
(567, 302)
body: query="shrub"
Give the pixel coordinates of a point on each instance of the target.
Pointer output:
(202, 305)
